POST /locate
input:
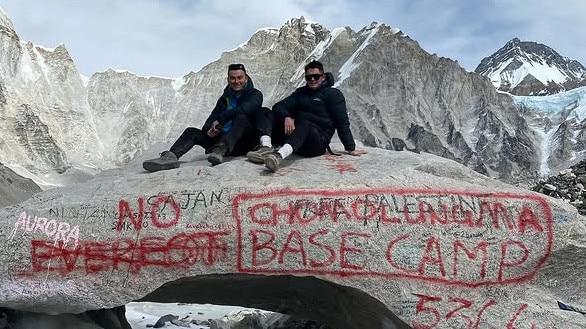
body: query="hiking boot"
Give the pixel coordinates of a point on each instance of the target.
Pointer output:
(258, 154)
(216, 154)
(272, 161)
(167, 160)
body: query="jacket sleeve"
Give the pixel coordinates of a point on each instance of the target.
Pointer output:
(249, 105)
(220, 106)
(286, 107)
(339, 114)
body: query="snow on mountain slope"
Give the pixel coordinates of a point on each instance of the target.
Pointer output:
(530, 68)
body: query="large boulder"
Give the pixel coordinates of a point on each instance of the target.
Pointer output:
(386, 240)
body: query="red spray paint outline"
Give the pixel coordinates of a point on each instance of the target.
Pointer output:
(397, 191)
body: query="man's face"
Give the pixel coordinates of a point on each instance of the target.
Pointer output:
(237, 79)
(314, 78)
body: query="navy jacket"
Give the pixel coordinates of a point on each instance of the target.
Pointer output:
(324, 107)
(249, 101)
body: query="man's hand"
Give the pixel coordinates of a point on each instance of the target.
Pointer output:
(357, 152)
(215, 129)
(289, 125)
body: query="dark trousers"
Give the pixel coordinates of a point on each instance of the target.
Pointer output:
(306, 140)
(242, 137)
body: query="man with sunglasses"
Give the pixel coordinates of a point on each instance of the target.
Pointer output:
(233, 127)
(306, 120)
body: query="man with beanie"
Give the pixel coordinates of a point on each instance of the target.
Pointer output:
(234, 127)
(305, 121)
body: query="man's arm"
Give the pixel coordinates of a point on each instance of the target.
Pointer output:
(286, 107)
(337, 108)
(247, 106)
(220, 105)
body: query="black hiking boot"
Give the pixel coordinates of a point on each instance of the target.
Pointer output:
(167, 160)
(216, 154)
(272, 161)
(258, 154)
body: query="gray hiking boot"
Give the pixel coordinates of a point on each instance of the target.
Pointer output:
(258, 154)
(167, 160)
(216, 154)
(272, 161)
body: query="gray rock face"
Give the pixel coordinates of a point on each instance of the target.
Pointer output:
(47, 126)
(562, 128)
(393, 88)
(15, 188)
(385, 240)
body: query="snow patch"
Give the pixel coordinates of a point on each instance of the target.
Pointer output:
(350, 65)
(540, 71)
(317, 53)
(85, 80)
(176, 84)
(269, 30)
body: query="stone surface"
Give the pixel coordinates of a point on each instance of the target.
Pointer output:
(567, 185)
(15, 188)
(385, 240)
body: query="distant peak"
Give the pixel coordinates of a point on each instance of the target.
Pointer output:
(5, 20)
(514, 41)
(373, 25)
(530, 68)
(301, 21)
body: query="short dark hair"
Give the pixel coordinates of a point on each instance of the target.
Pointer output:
(234, 67)
(314, 65)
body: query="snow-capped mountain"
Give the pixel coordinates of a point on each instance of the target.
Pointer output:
(530, 68)
(55, 124)
(46, 126)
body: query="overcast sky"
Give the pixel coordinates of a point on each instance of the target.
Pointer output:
(169, 38)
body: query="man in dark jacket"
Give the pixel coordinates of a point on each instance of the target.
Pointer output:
(233, 128)
(306, 120)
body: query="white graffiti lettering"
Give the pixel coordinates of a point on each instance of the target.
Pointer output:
(57, 231)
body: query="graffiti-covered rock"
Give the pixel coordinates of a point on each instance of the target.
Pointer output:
(386, 240)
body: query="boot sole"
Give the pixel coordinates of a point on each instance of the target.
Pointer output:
(215, 159)
(153, 166)
(271, 163)
(255, 157)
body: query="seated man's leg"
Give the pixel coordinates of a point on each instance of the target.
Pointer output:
(188, 139)
(264, 123)
(305, 140)
(170, 159)
(239, 140)
(313, 144)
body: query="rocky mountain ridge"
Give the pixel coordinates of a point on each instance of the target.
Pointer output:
(394, 89)
(530, 68)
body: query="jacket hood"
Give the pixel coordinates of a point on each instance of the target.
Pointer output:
(329, 82)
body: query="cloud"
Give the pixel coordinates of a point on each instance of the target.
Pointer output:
(172, 37)
(149, 37)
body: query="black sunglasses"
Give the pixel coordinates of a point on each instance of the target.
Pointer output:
(309, 77)
(234, 67)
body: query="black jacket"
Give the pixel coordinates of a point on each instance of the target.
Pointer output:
(324, 107)
(249, 102)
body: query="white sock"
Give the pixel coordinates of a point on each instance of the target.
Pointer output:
(265, 140)
(285, 150)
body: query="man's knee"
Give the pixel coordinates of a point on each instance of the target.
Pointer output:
(190, 131)
(242, 118)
